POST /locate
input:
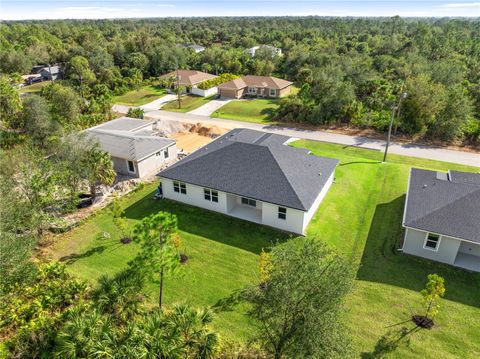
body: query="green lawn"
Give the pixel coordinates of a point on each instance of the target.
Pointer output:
(360, 217)
(36, 87)
(254, 110)
(141, 97)
(188, 103)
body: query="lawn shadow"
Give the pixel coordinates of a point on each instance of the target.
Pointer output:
(269, 113)
(221, 228)
(382, 262)
(73, 257)
(390, 342)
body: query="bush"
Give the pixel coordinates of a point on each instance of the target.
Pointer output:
(205, 85)
(135, 113)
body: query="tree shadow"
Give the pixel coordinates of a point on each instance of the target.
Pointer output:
(221, 228)
(382, 262)
(389, 342)
(73, 257)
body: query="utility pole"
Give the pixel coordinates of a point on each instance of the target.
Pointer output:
(394, 109)
(178, 88)
(398, 109)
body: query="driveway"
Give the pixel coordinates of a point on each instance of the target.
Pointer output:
(155, 105)
(209, 108)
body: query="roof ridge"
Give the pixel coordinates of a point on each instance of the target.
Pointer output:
(283, 173)
(447, 205)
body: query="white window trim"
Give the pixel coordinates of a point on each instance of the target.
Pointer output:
(274, 92)
(128, 167)
(252, 90)
(438, 243)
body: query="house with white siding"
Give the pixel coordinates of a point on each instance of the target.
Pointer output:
(134, 146)
(254, 176)
(442, 217)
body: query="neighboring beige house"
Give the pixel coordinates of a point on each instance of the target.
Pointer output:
(255, 86)
(442, 217)
(135, 148)
(254, 176)
(190, 79)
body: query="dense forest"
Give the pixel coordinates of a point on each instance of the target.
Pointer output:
(350, 71)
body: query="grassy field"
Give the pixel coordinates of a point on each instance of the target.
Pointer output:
(141, 97)
(255, 110)
(360, 217)
(36, 87)
(188, 102)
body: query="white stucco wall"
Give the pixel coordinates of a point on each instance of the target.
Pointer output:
(194, 196)
(154, 162)
(205, 93)
(121, 167)
(446, 252)
(292, 223)
(470, 248)
(313, 209)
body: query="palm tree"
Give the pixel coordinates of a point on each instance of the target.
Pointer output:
(81, 334)
(159, 340)
(192, 325)
(100, 166)
(120, 296)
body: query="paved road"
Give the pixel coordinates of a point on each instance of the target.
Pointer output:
(151, 106)
(210, 107)
(422, 151)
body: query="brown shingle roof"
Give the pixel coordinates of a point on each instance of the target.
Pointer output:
(189, 77)
(256, 81)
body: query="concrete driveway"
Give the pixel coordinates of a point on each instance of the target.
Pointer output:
(210, 107)
(157, 104)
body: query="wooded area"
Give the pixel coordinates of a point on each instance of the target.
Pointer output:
(350, 71)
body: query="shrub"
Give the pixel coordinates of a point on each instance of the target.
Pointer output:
(205, 85)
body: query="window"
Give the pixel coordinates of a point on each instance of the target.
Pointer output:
(210, 195)
(179, 187)
(165, 153)
(131, 166)
(273, 92)
(252, 90)
(282, 213)
(249, 202)
(432, 241)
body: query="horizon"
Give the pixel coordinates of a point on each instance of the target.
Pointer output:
(18, 10)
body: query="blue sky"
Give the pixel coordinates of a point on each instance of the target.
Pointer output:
(90, 9)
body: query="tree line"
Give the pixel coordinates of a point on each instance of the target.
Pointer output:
(350, 71)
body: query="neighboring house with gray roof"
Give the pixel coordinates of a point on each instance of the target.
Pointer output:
(134, 145)
(442, 217)
(255, 176)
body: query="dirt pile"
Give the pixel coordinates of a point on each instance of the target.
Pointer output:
(202, 130)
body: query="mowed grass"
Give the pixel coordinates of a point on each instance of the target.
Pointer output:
(252, 110)
(360, 217)
(188, 103)
(141, 97)
(36, 87)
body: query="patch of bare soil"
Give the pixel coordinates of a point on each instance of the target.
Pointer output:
(197, 136)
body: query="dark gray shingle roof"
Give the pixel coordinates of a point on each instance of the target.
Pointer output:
(256, 164)
(444, 205)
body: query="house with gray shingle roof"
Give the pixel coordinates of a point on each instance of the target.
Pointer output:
(134, 145)
(442, 217)
(255, 176)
